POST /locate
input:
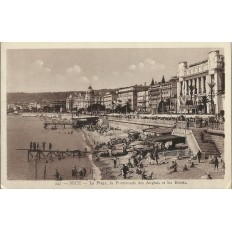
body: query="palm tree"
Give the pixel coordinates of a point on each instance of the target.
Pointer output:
(211, 86)
(127, 106)
(204, 100)
(191, 88)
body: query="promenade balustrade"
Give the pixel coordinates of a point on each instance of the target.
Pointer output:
(192, 121)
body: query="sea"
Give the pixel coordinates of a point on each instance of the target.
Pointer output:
(22, 130)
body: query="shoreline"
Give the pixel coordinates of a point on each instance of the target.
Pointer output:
(97, 175)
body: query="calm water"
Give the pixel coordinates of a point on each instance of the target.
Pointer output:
(22, 130)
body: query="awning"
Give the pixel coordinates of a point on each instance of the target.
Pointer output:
(160, 130)
(167, 138)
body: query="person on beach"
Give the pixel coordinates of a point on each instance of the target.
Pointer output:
(199, 156)
(185, 168)
(157, 158)
(74, 170)
(173, 167)
(216, 163)
(125, 169)
(192, 165)
(58, 175)
(135, 162)
(115, 162)
(43, 143)
(84, 171)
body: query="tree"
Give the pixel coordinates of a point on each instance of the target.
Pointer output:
(204, 100)
(95, 107)
(163, 80)
(191, 88)
(118, 109)
(211, 86)
(127, 107)
(152, 82)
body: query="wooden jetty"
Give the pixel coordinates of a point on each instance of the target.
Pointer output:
(50, 154)
(55, 124)
(75, 123)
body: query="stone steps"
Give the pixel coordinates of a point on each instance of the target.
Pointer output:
(208, 146)
(219, 141)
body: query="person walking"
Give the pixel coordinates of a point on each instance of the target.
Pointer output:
(216, 163)
(157, 158)
(199, 156)
(124, 170)
(202, 137)
(115, 162)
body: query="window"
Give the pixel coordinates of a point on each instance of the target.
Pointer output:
(199, 83)
(195, 85)
(204, 85)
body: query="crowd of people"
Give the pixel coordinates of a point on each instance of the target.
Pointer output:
(37, 146)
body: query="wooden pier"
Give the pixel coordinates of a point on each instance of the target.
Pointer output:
(51, 154)
(55, 124)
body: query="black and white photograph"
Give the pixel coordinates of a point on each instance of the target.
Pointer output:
(112, 115)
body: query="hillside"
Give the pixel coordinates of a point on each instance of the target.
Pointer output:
(43, 97)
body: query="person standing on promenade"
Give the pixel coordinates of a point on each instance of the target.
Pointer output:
(199, 156)
(50, 146)
(216, 163)
(31, 145)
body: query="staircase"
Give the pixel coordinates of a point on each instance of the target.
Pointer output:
(208, 147)
(219, 141)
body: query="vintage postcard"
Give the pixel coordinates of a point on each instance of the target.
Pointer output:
(116, 115)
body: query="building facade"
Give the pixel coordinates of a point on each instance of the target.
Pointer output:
(162, 96)
(143, 100)
(110, 100)
(128, 95)
(199, 85)
(83, 100)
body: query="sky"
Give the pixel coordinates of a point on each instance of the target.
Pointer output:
(52, 70)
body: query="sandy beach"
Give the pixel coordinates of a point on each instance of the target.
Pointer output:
(160, 171)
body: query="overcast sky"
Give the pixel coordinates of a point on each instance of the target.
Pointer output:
(45, 70)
